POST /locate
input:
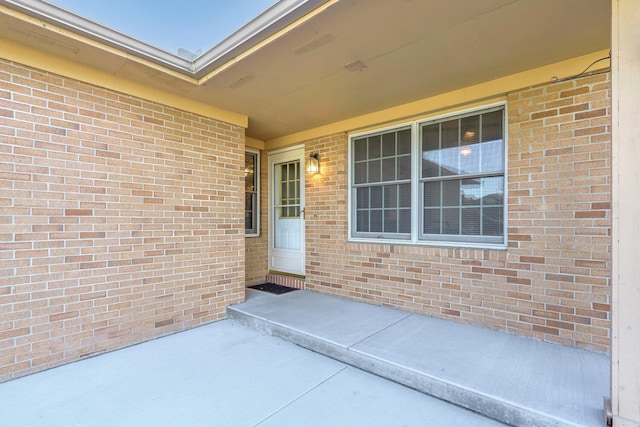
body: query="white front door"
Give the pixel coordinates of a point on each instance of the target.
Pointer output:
(286, 213)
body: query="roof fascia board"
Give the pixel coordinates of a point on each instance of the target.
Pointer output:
(265, 25)
(77, 24)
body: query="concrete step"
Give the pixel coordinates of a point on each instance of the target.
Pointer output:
(515, 380)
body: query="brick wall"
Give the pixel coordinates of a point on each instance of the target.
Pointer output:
(552, 282)
(257, 247)
(120, 220)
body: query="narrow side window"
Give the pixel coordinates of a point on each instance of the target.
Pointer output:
(251, 208)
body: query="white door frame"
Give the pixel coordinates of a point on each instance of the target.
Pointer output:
(285, 260)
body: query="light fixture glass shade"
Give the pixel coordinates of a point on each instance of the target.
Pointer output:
(314, 164)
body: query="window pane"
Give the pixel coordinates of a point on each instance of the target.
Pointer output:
(492, 222)
(431, 137)
(470, 130)
(492, 126)
(376, 197)
(375, 221)
(390, 221)
(404, 141)
(432, 221)
(404, 198)
(449, 161)
(249, 171)
(374, 147)
(471, 191)
(432, 193)
(450, 134)
(404, 167)
(492, 156)
(360, 149)
(249, 201)
(391, 196)
(360, 173)
(362, 224)
(469, 159)
(451, 193)
(362, 196)
(405, 221)
(430, 164)
(471, 221)
(389, 169)
(451, 221)
(493, 139)
(430, 151)
(249, 181)
(389, 144)
(374, 171)
(493, 191)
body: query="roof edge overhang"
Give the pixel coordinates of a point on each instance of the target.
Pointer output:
(39, 59)
(278, 17)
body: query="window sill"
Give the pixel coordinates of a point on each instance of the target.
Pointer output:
(431, 244)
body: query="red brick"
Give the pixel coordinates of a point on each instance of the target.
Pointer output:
(545, 330)
(590, 214)
(519, 295)
(164, 323)
(78, 212)
(532, 259)
(63, 316)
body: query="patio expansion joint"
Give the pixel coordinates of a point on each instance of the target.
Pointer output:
(408, 315)
(301, 395)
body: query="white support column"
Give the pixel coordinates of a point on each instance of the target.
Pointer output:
(625, 303)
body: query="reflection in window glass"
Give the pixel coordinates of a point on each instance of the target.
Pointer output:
(463, 177)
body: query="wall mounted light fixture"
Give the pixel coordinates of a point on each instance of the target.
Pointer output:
(314, 163)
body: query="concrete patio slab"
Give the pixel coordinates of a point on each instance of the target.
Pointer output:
(357, 398)
(223, 374)
(516, 380)
(340, 322)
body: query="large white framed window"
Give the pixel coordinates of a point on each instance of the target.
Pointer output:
(439, 181)
(252, 193)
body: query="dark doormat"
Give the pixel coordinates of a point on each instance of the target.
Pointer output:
(273, 288)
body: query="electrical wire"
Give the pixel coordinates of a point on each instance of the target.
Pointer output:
(555, 79)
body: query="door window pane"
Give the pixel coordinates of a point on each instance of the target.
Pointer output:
(289, 190)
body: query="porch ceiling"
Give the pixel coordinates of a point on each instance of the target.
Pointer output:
(402, 51)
